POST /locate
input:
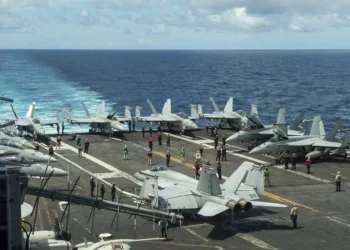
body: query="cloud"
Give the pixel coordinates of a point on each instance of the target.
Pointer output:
(10, 22)
(143, 41)
(309, 23)
(238, 18)
(92, 19)
(126, 31)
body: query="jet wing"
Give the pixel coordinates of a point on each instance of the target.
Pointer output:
(26, 210)
(81, 121)
(49, 122)
(23, 122)
(267, 204)
(211, 209)
(326, 144)
(150, 119)
(163, 183)
(177, 198)
(212, 116)
(122, 119)
(299, 143)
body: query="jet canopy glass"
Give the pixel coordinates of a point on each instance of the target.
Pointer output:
(159, 168)
(36, 121)
(183, 115)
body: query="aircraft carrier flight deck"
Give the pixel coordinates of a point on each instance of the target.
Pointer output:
(323, 218)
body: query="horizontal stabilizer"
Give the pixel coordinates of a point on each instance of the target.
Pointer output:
(214, 105)
(26, 210)
(267, 204)
(212, 209)
(149, 191)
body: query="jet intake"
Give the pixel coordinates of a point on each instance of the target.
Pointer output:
(235, 205)
(246, 206)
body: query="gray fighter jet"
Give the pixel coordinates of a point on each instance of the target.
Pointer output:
(30, 168)
(176, 122)
(17, 142)
(263, 133)
(226, 116)
(205, 195)
(31, 124)
(100, 122)
(313, 145)
(27, 154)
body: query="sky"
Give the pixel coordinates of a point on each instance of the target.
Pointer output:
(174, 24)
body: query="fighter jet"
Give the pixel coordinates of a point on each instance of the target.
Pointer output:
(27, 154)
(176, 122)
(263, 133)
(205, 195)
(313, 145)
(17, 142)
(31, 124)
(100, 122)
(226, 116)
(30, 168)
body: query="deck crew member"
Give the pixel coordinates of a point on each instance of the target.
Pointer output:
(197, 166)
(103, 190)
(168, 155)
(159, 135)
(113, 191)
(50, 150)
(80, 149)
(143, 132)
(149, 155)
(92, 186)
(150, 144)
(126, 151)
(216, 141)
(201, 148)
(224, 140)
(86, 146)
(223, 153)
(218, 154)
(308, 164)
(294, 215)
(182, 154)
(286, 160)
(198, 157)
(337, 182)
(150, 131)
(164, 228)
(59, 140)
(267, 176)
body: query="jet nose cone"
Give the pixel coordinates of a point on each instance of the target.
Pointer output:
(256, 150)
(59, 172)
(139, 176)
(193, 125)
(233, 137)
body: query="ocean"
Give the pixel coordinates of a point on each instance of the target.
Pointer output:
(312, 80)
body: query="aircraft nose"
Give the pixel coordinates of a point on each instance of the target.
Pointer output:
(233, 137)
(59, 172)
(256, 150)
(139, 176)
(193, 125)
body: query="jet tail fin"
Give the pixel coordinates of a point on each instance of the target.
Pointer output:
(101, 109)
(30, 113)
(316, 125)
(331, 134)
(58, 115)
(194, 113)
(208, 182)
(281, 129)
(68, 115)
(200, 110)
(214, 105)
(297, 121)
(154, 111)
(281, 118)
(138, 112)
(308, 125)
(14, 111)
(86, 111)
(246, 170)
(128, 112)
(254, 109)
(167, 107)
(149, 191)
(229, 106)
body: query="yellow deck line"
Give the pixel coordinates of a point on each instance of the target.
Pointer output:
(267, 194)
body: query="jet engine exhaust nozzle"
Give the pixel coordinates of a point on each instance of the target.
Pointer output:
(246, 206)
(237, 207)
